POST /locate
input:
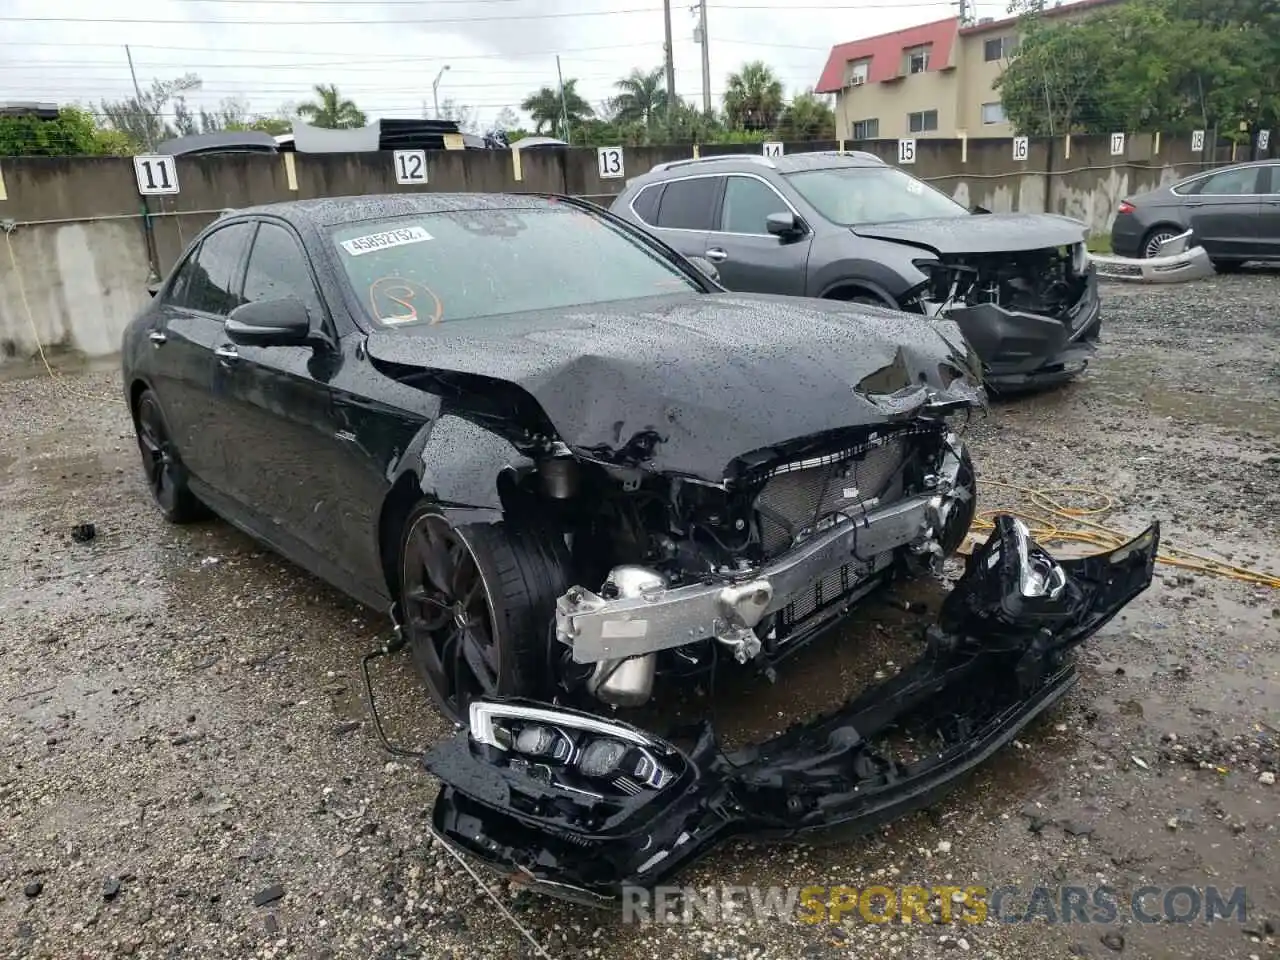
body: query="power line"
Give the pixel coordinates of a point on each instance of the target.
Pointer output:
(398, 21)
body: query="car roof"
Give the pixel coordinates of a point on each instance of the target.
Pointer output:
(754, 163)
(330, 211)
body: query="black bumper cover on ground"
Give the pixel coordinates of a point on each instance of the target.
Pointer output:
(1026, 351)
(996, 659)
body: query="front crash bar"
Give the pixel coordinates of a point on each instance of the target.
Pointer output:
(999, 655)
(1174, 263)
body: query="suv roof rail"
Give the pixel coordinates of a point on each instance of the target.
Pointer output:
(859, 154)
(749, 157)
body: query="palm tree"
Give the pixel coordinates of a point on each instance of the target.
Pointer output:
(753, 99)
(330, 110)
(643, 97)
(545, 108)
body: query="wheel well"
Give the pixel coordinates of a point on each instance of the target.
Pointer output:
(135, 392)
(850, 291)
(400, 499)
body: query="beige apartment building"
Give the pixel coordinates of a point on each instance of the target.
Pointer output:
(931, 80)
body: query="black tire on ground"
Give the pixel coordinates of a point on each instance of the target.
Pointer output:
(476, 604)
(961, 519)
(1227, 266)
(166, 476)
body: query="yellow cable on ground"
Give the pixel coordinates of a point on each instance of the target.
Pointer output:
(1050, 521)
(58, 381)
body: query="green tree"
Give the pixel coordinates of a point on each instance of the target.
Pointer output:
(72, 133)
(1146, 65)
(330, 110)
(753, 97)
(642, 97)
(141, 118)
(807, 117)
(545, 108)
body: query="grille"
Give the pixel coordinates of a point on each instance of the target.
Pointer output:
(800, 496)
(826, 596)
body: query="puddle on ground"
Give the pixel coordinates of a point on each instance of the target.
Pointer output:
(1140, 377)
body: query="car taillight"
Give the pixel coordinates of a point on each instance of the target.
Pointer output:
(1126, 207)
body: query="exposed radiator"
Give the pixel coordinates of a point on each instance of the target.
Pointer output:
(801, 495)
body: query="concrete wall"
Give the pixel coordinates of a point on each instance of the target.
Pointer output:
(80, 244)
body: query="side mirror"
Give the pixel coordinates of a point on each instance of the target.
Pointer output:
(706, 266)
(784, 225)
(270, 323)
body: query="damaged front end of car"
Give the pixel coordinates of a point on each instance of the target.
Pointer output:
(1033, 316)
(579, 806)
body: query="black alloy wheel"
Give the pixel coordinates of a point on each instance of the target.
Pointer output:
(475, 605)
(165, 474)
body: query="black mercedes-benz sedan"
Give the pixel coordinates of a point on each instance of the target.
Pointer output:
(571, 465)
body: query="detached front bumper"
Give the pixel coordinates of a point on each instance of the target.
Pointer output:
(1176, 262)
(580, 807)
(1022, 351)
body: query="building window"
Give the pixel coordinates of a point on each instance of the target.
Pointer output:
(998, 48)
(993, 112)
(858, 71)
(923, 122)
(866, 129)
(917, 59)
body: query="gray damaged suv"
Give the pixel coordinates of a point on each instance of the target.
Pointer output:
(848, 226)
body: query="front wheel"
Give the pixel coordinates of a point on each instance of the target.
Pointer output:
(477, 601)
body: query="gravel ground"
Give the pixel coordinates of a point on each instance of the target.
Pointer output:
(186, 766)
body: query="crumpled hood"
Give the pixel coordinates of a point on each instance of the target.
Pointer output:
(980, 233)
(714, 376)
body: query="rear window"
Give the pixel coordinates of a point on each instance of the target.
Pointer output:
(469, 264)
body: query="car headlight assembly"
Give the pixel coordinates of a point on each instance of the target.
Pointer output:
(574, 752)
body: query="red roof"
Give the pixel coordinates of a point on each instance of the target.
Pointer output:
(885, 52)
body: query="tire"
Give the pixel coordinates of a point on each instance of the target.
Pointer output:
(1154, 237)
(477, 602)
(166, 476)
(1227, 266)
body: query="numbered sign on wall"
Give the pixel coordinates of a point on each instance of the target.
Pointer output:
(156, 174)
(907, 150)
(1197, 141)
(1021, 148)
(773, 148)
(1117, 144)
(1264, 139)
(411, 166)
(609, 163)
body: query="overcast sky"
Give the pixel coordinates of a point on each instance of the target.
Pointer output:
(385, 54)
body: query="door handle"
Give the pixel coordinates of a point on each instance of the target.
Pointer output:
(715, 254)
(157, 338)
(227, 353)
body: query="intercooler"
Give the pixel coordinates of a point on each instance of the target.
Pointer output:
(799, 496)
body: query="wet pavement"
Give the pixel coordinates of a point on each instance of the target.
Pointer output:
(187, 767)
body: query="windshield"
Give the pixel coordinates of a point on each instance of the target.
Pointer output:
(853, 195)
(464, 265)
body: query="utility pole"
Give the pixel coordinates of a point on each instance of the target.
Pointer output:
(706, 56)
(564, 106)
(964, 13)
(671, 67)
(137, 92)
